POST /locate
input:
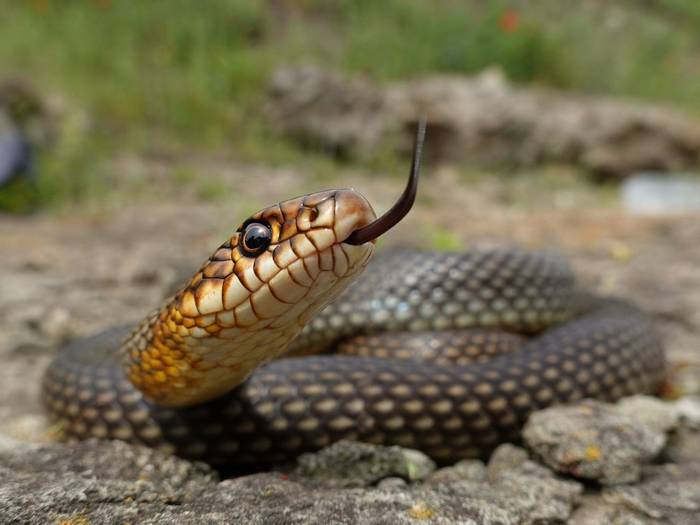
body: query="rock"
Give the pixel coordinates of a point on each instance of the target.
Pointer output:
(263, 499)
(688, 410)
(650, 411)
(482, 119)
(56, 324)
(508, 459)
(354, 464)
(543, 499)
(465, 470)
(592, 440)
(392, 483)
(341, 115)
(668, 494)
(104, 482)
(112, 482)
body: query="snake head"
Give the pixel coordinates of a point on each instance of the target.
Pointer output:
(254, 295)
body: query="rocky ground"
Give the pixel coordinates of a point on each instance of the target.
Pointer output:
(68, 275)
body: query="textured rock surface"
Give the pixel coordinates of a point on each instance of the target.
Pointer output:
(668, 494)
(111, 482)
(304, 101)
(483, 119)
(352, 464)
(658, 415)
(593, 440)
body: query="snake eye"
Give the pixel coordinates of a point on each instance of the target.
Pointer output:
(255, 239)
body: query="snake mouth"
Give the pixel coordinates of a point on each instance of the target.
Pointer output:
(401, 208)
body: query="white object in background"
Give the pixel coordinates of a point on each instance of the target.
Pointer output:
(660, 194)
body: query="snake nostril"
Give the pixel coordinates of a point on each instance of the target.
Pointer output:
(313, 213)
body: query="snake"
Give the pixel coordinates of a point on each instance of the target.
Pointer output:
(292, 336)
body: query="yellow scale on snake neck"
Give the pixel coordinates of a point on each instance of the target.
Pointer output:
(448, 353)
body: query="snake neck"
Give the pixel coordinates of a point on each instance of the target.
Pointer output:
(238, 311)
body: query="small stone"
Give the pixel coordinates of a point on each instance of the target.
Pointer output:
(508, 459)
(55, 323)
(354, 464)
(392, 482)
(465, 470)
(592, 440)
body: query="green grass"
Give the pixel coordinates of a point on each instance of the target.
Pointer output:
(182, 75)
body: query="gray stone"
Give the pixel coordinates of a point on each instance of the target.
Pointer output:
(688, 411)
(658, 415)
(507, 459)
(111, 482)
(667, 494)
(482, 119)
(353, 464)
(104, 482)
(392, 483)
(327, 110)
(465, 470)
(592, 440)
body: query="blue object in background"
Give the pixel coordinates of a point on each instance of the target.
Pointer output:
(16, 156)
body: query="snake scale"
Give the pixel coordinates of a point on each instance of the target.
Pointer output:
(445, 352)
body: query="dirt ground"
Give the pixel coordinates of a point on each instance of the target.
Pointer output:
(67, 275)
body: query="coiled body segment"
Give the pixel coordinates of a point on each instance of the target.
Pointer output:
(518, 309)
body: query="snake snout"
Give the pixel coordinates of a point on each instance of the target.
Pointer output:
(352, 212)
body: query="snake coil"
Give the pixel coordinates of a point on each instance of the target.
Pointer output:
(445, 352)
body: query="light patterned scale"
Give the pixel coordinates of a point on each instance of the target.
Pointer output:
(461, 347)
(447, 407)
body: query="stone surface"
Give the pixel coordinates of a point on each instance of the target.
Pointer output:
(326, 110)
(592, 440)
(353, 464)
(112, 482)
(348, 483)
(668, 494)
(482, 119)
(465, 470)
(658, 415)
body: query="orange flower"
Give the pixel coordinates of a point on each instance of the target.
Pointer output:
(40, 6)
(509, 20)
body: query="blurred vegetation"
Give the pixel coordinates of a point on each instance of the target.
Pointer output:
(176, 76)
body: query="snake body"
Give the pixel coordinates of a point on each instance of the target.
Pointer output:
(435, 363)
(458, 306)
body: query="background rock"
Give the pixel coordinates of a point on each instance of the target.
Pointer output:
(483, 120)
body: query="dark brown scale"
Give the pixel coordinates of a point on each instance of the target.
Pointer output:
(447, 409)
